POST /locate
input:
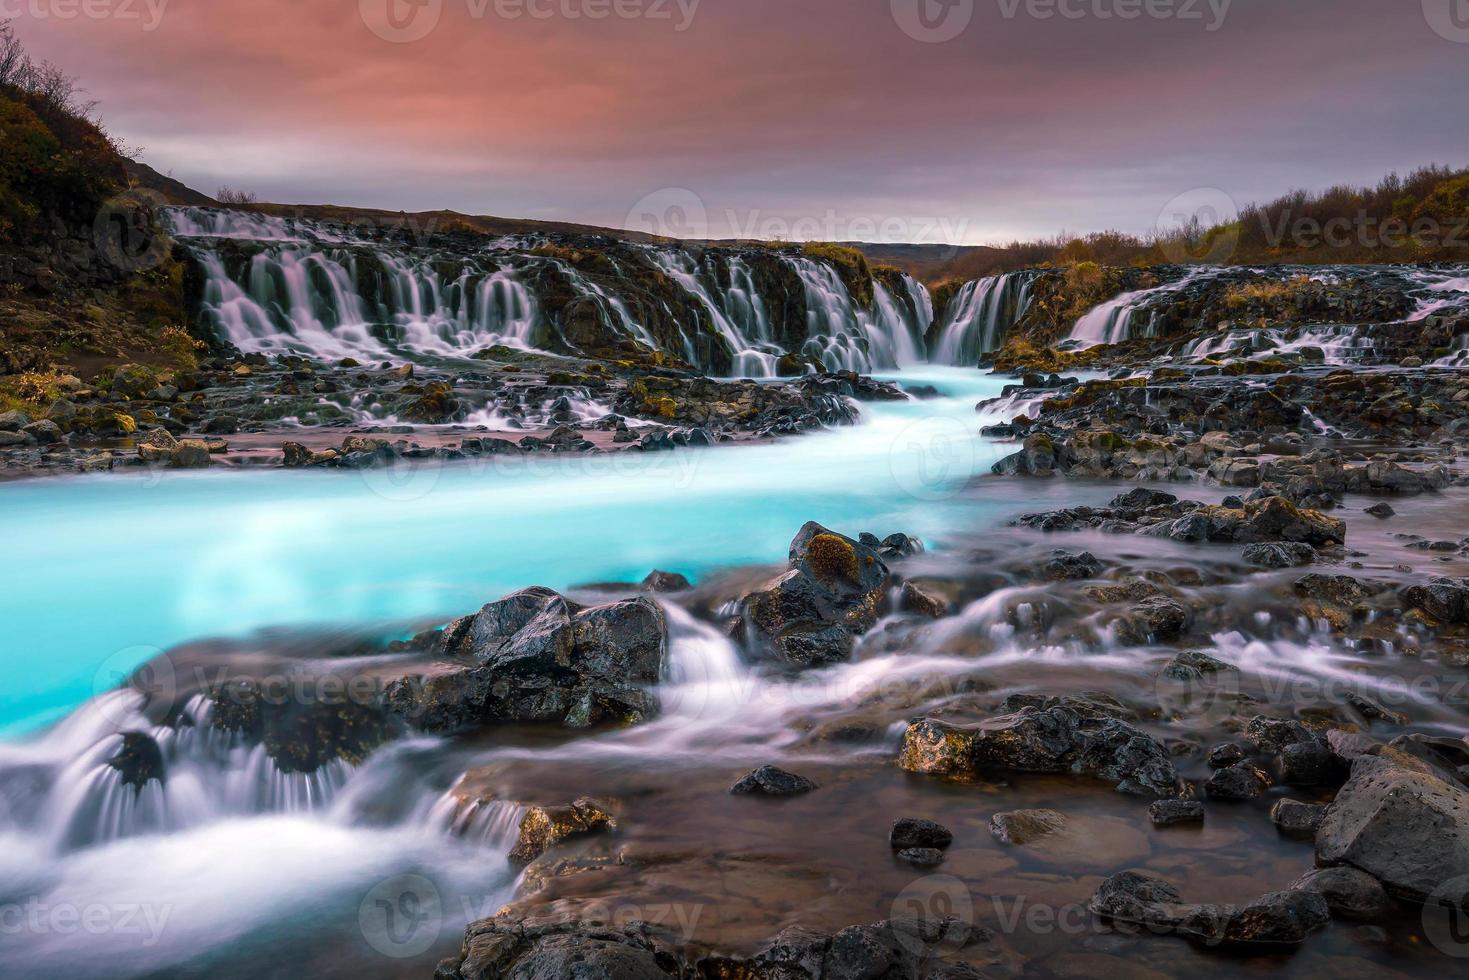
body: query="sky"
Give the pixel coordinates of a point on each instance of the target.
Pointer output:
(960, 121)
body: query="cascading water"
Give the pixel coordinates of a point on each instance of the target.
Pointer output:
(1113, 322)
(738, 312)
(979, 316)
(845, 337)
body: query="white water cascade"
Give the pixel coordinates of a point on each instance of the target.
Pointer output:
(1114, 321)
(979, 316)
(845, 337)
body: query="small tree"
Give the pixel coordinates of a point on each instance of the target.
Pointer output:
(228, 195)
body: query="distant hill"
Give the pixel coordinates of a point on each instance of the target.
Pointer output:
(176, 192)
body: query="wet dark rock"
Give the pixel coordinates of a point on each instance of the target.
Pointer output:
(1349, 893)
(1296, 819)
(812, 615)
(1381, 511)
(916, 599)
(902, 949)
(1156, 619)
(1279, 919)
(1226, 755)
(1401, 823)
(543, 827)
(916, 832)
(921, 857)
(770, 781)
(1274, 734)
(1308, 764)
(1276, 919)
(1338, 590)
(1143, 498)
(535, 656)
(1444, 600)
(1241, 781)
(555, 948)
(139, 760)
(1063, 566)
(1193, 665)
(1285, 554)
(1025, 826)
(1169, 813)
(1056, 739)
(666, 582)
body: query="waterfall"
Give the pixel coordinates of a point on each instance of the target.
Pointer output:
(738, 312)
(1115, 321)
(275, 286)
(980, 315)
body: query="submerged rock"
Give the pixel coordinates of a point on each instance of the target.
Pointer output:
(770, 781)
(1349, 893)
(543, 827)
(915, 832)
(1276, 919)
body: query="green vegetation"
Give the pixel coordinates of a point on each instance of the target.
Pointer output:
(850, 264)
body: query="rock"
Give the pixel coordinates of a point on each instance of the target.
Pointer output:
(61, 411)
(1400, 823)
(1143, 900)
(812, 615)
(921, 857)
(1307, 764)
(133, 381)
(1279, 918)
(915, 599)
(1021, 827)
(537, 657)
(1193, 665)
(190, 454)
(914, 832)
(1381, 511)
(1444, 600)
(44, 432)
(1063, 566)
(139, 760)
(1158, 619)
(1054, 739)
(1274, 734)
(666, 582)
(1293, 818)
(543, 827)
(1279, 554)
(770, 781)
(1349, 893)
(559, 949)
(1168, 813)
(1241, 781)
(1142, 498)
(1226, 755)
(156, 446)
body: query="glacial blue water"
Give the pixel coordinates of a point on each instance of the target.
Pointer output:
(103, 572)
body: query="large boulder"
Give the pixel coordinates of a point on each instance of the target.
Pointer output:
(536, 656)
(1400, 821)
(812, 615)
(1055, 739)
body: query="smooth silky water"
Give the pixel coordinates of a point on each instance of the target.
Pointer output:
(234, 869)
